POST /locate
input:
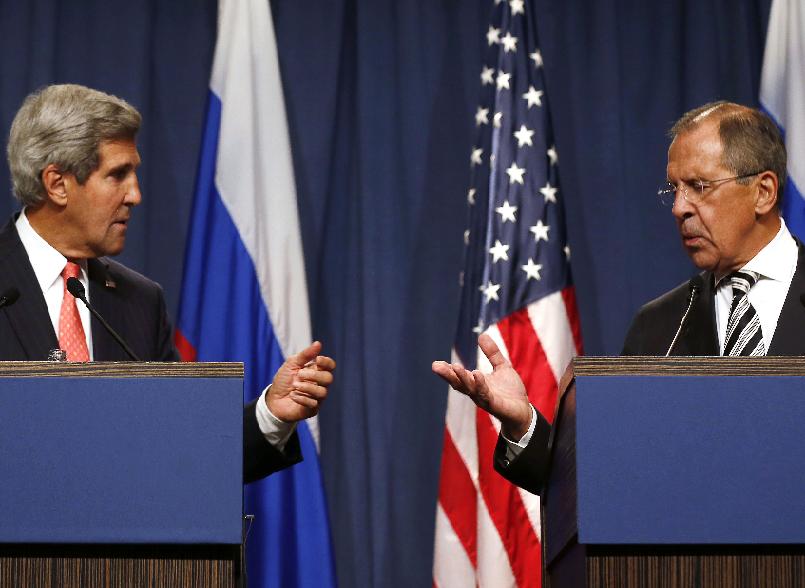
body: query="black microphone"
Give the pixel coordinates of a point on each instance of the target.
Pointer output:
(9, 297)
(694, 286)
(76, 288)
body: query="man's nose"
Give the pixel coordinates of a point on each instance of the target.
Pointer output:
(681, 208)
(133, 195)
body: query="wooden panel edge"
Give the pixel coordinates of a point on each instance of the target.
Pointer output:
(114, 369)
(689, 366)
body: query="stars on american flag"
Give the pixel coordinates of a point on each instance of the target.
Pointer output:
(493, 36)
(533, 97)
(481, 116)
(549, 192)
(509, 43)
(487, 76)
(491, 291)
(506, 212)
(532, 270)
(514, 175)
(523, 136)
(552, 155)
(540, 231)
(499, 251)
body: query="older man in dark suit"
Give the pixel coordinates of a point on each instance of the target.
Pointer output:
(73, 162)
(726, 169)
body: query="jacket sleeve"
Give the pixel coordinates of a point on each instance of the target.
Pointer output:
(530, 468)
(260, 458)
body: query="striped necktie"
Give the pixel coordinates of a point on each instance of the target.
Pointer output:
(744, 335)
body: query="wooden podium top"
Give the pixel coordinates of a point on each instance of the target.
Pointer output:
(689, 366)
(119, 369)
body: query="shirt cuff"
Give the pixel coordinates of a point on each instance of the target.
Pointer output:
(276, 431)
(513, 448)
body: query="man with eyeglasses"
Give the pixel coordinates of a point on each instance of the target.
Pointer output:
(725, 176)
(726, 171)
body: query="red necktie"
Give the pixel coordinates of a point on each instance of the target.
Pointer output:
(71, 332)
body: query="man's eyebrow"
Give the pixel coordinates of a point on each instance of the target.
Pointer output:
(125, 166)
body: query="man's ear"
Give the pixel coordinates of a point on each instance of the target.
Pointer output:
(53, 179)
(766, 197)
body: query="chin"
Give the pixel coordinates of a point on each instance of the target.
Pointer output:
(110, 250)
(702, 260)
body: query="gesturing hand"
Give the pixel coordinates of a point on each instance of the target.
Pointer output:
(300, 384)
(501, 393)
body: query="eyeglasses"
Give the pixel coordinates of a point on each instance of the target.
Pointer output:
(695, 191)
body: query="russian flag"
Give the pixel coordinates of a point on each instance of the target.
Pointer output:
(244, 294)
(782, 96)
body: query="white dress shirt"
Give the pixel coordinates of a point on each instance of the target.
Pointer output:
(48, 265)
(513, 448)
(775, 264)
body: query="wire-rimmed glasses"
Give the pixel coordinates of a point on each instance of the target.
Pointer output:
(696, 190)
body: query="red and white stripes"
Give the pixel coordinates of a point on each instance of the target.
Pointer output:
(488, 530)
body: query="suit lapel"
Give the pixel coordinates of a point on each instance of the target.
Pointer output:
(700, 336)
(28, 317)
(103, 296)
(789, 335)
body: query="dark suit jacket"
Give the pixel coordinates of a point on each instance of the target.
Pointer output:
(135, 307)
(655, 324)
(650, 334)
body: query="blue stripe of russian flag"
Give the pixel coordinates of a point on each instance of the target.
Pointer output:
(223, 317)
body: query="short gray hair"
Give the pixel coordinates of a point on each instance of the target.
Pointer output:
(750, 140)
(64, 125)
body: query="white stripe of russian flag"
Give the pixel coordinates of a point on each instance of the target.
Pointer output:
(254, 172)
(782, 95)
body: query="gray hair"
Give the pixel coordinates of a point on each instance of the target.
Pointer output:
(64, 125)
(750, 140)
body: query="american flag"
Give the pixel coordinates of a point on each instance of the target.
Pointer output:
(516, 286)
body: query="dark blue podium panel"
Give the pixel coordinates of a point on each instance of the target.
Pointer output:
(121, 460)
(690, 460)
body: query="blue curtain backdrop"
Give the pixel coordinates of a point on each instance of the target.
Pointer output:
(380, 97)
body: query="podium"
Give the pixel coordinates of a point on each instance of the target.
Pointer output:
(121, 474)
(677, 472)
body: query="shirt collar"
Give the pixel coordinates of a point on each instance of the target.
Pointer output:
(776, 261)
(47, 262)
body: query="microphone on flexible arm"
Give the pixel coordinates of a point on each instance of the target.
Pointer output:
(9, 296)
(76, 288)
(694, 286)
